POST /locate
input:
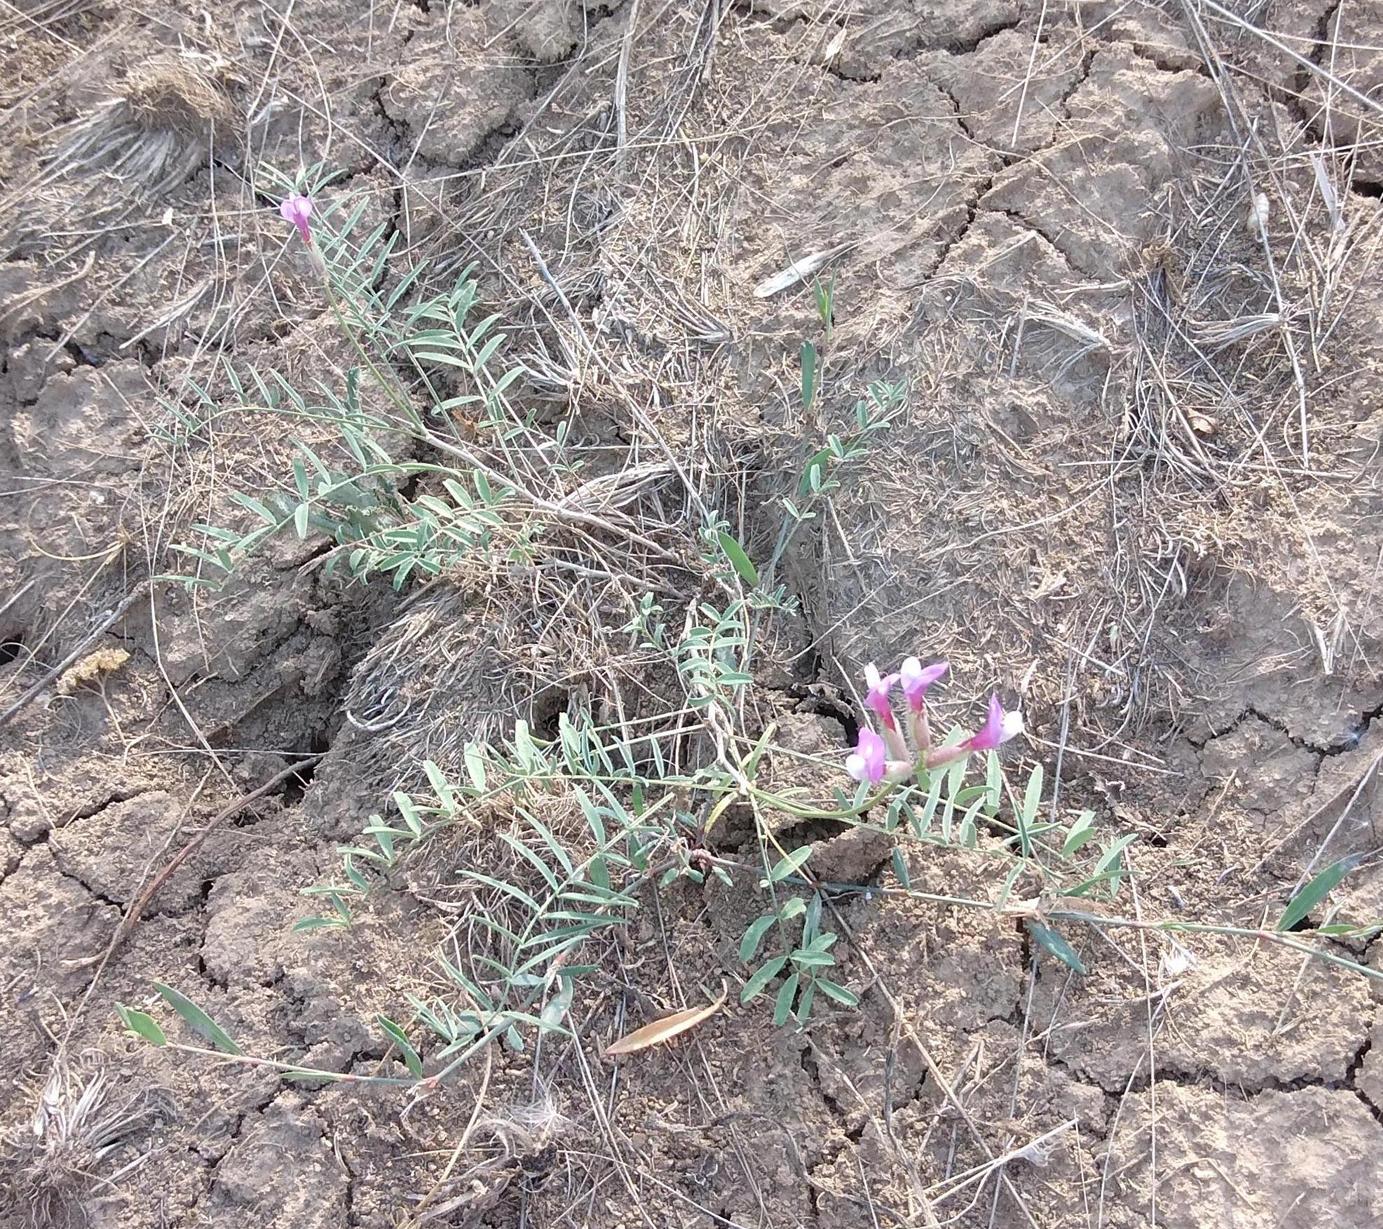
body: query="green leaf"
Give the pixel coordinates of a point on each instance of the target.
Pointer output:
(300, 479)
(475, 766)
(400, 1039)
(1032, 796)
(841, 995)
(141, 1024)
(1079, 833)
(900, 868)
(766, 972)
(994, 784)
(782, 1005)
(1049, 940)
(804, 1004)
(1009, 880)
(1084, 887)
(303, 925)
(197, 1018)
(440, 785)
(353, 873)
(808, 375)
(306, 1075)
(300, 514)
(509, 889)
(789, 865)
(534, 859)
(751, 762)
(812, 473)
(525, 750)
(923, 823)
(1316, 891)
(749, 945)
(969, 824)
(740, 561)
(1113, 860)
(254, 505)
(409, 811)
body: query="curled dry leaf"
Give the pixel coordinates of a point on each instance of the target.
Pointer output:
(665, 1029)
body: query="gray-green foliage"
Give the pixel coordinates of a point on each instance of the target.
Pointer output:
(408, 345)
(804, 965)
(632, 824)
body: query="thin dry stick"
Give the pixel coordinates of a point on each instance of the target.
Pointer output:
(417, 1218)
(934, 1070)
(146, 894)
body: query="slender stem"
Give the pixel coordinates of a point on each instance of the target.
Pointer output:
(390, 386)
(334, 1077)
(791, 808)
(1213, 928)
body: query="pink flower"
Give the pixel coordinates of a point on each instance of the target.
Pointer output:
(297, 209)
(998, 728)
(871, 762)
(916, 678)
(877, 699)
(868, 760)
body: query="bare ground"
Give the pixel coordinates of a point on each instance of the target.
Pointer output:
(1136, 485)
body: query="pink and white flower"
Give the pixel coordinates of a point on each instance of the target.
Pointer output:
(998, 728)
(297, 209)
(880, 685)
(870, 761)
(867, 761)
(916, 678)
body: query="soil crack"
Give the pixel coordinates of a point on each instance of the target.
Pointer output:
(1347, 742)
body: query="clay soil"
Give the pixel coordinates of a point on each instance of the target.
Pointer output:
(1124, 258)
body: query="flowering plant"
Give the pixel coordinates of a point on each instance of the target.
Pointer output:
(885, 755)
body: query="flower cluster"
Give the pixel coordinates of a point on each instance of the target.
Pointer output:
(884, 754)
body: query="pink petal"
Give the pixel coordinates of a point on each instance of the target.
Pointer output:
(879, 687)
(867, 762)
(998, 728)
(917, 678)
(297, 209)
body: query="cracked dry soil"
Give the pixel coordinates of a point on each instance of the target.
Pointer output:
(1093, 502)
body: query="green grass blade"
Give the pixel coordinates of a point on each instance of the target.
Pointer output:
(197, 1019)
(141, 1024)
(1315, 892)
